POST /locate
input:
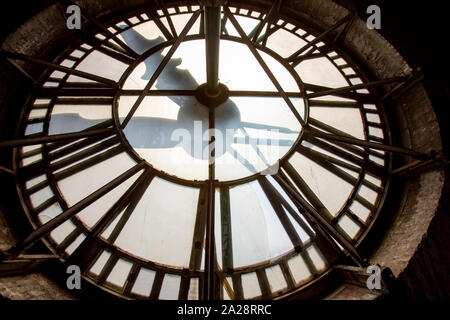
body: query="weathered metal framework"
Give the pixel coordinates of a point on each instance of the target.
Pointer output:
(63, 155)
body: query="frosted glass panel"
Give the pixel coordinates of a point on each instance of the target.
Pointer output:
(162, 225)
(100, 263)
(331, 190)
(349, 226)
(304, 236)
(120, 272)
(37, 114)
(345, 119)
(285, 43)
(168, 132)
(41, 196)
(112, 225)
(74, 118)
(298, 268)
(60, 233)
(247, 24)
(170, 287)
(185, 70)
(227, 288)
(35, 181)
(179, 20)
(33, 128)
(359, 210)
(251, 75)
(31, 148)
(102, 65)
(316, 258)
(250, 285)
(193, 289)
(29, 160)
(74, 245)
(368, 194)
(283, 76)
(142, 37)
(63, 230)
(92, 214)
(254, 133)
(372, 179)
(144, 282)
(322, 72)
(276, 278)
(94, 177)
(49, 213)
(257, 232)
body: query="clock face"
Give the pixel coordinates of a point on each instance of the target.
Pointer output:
(126, 165)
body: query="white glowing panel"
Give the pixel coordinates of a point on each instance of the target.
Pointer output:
(93, 178)
(73, 118)
(161, 226)
(257, 232)
(331, 190)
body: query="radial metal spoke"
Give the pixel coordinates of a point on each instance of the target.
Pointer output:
(53, 138)
(331, 164)
(105, 30)
(226, 228)
(155, 18)
(13, 65)
(85, 101)
(162, 4)
(323, 240)
(128, 201)
(267, 21)
(212, 38)
(369, 166)
(364, 143)
(318, 218)
(108, 49)
(333, 104)
(212, 28)
(210, 246)
(335, 91)
(277, 206)
(199, 231)
(360, 97)
(298, 55)
(161, 67)
(52, 66)
(158, 93)
(105, 92)
(301, 184)
(96, 92)
(242, 93)
(263, 64)
(6, 170)
(75, 209)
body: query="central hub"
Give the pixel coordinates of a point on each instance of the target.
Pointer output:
(212, 100)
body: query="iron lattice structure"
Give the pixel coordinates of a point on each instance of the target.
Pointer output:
(362, 163)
